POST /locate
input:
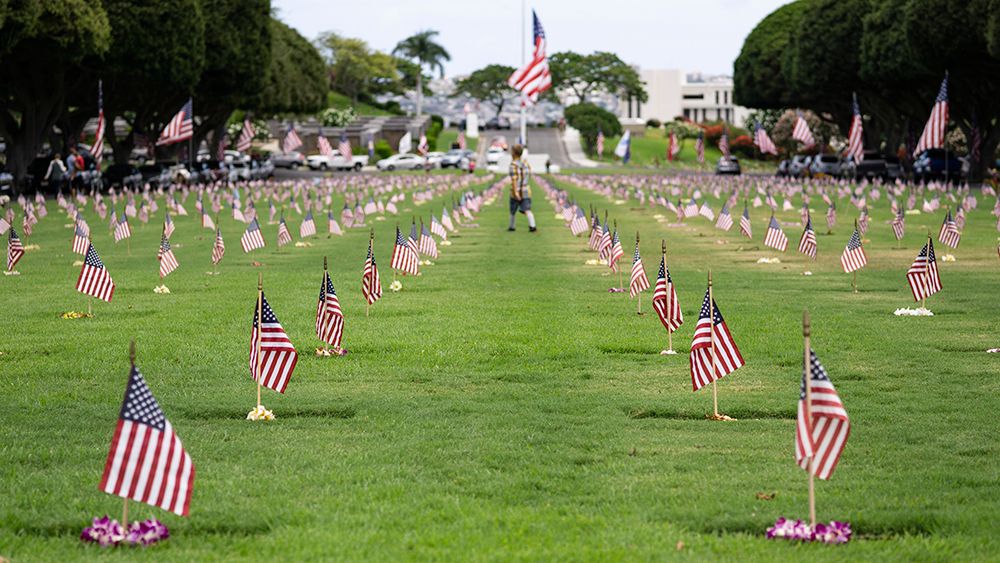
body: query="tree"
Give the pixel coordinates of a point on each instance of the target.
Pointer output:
(296, 75)
(758, 75)
(357, 70)
(488, 84)
(589, 119)
(43, 44)
(596, 72)
(422, 47)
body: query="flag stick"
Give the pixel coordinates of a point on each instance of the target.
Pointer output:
(854, 278)
(711, 329)
(131, 359)
(260, 327)
(371, 241)
(808, 417)
(927, 273)
(670, 333)
(638, 297)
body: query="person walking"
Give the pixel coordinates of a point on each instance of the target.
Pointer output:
(520, 191)
(56, 173)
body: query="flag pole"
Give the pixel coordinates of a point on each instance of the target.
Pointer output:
(638, 298)
(621, 285)
(670, 333)
(325, 274)
(927, 273)
(371, 241)
(854, 279)
(711, 332)
(806, 329)
(260, 328)
(131, 359)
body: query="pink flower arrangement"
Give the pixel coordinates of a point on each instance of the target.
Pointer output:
(832, 533)
(108, 533)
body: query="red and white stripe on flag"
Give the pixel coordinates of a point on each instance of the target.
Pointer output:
(821, 435)
(703, 347)
(273, 367)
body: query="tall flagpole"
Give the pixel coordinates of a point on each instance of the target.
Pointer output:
(524, 109)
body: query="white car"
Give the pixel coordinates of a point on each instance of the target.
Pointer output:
(494, 154)
(435, 158)
(231, 156)
(336, 162)
(405, 161)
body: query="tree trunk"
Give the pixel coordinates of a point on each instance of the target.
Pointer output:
(420, 92)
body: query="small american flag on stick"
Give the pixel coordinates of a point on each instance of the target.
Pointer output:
(923, 274)
(404, 256)
(854, 257)
(665, 302)
(272, 356)
(638, 281)
(775, 237)
(94, 279)
(949, 235)
(252, 239)
(15, 250)
(371, 285)
(329, 317)
(713, 351)
(822, 426)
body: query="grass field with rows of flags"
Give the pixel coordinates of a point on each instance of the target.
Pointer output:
(503, 404)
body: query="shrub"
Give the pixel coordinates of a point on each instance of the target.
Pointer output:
(743, 146)
(382, 149)
(653, 123)
(589, 119)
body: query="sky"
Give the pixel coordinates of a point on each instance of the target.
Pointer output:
(691, 35)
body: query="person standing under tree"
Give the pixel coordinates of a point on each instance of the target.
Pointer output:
(520, 191)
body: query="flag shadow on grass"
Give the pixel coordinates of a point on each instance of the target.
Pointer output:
(637, 413)
(290, 411)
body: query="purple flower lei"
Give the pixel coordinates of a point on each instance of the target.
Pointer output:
(107, 532)
(833, 533)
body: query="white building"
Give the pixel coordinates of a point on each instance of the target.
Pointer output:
(694, 96)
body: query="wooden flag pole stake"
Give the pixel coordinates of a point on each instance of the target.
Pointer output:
(670, 333)
(260, 328)
(808, 416)
(711, 332)
(131, 359)
(638, 297)
(371, 241)
(927, 276)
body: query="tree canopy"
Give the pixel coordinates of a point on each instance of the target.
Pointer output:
(600, 71)
(296, 75)
(357, 70)
(422, 48)
(488, 84)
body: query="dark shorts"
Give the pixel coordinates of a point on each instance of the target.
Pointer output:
(522, 206)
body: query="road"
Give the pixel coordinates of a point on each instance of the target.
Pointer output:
(546, 140)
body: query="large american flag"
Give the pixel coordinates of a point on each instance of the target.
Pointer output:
(763, 141)
(923, 274)
(252, 237)
(854, 257)
(855, 148)
(949, 235)
(807, 244)
(745, 223)
(533, 78)
(404, 256)
(219, 250)
(94, 279)
(291, 140)
(775, 237)
(725, 221)
(821, 434)
(273, 367)
(329, 317)
(15, 250)
(801, 131)
(345, 149)
(180, 128)
(937, 123)
(371, 285)
(727, 355)
(246, 136)
(168, 263)
(97, 150)
(665, 302)
(284, 237)
(147, 461)
(638, 281)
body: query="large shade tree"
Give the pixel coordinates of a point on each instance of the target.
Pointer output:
(488, 84)
(601, 71)
(356, 70)
(426, 52)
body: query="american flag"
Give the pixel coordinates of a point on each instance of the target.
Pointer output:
(345, 149)
(831, 215)
(600, 142)
(801, 131)
(691, 209)
(855, 148)
(329, 317)
(745, 223)
(15, 250)
(665, 302)
(923, 274)
(604, 244)
(252, 238)
(220, 152)
(273, 367)
(219, 250)
(445, 219)
(533, 78)
(168, 225)
(853, 257)
(725, 221)
(699, 147)
(168, 263)
(422, 147)
(308, 226)
(80, 240)
(97, 150)
(461, 140)
(949, 235)
(706, 211)
(246, 136)
(807, 244)
(332, 224)
(863, 221)
(673, 147)
(937, 124)
(724, 143)
(763, 141)
(122, 229)
(4, 225)
(291, 140)
(347, 216)
(821, 435)
(404, 256)
(638, 282)
(437, 228)
(775, 237)
(237, 212)
(180, 128)
(94, 279)
(615, 252)
(147, 461)
(284, 237)
(727, 355)
(578, 225)
(371, 285)
(206, 220)
(898, 224)
(426, 245)
(324, 146)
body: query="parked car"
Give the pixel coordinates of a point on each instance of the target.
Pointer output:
(336, 161)
(454, 157)
(782, 171)
(261, 169)
(434, 158)
(936, 164)
(826, 165)
(291, 160)
(494, 154)
(6, 182)
(729, 165)
(231, 155)
(799, 166)
(497, 123)
(239, 170)
(871, 166)
(155, 174)
(894, 168)
(122, 175)
(405, 161)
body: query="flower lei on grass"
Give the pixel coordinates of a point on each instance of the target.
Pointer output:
(110, 533)
(832, 533)
(260, 413)
(396, 286)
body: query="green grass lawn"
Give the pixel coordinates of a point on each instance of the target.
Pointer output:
(340, 101)
(650, 151)
(504, 405)
(449, 136)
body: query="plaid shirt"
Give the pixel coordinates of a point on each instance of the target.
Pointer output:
(520, 172)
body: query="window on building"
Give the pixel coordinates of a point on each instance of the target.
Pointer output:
(716, 97)
(725, 97)
(687, 113)
(694, 96)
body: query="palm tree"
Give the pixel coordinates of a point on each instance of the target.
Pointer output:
(422, 47)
